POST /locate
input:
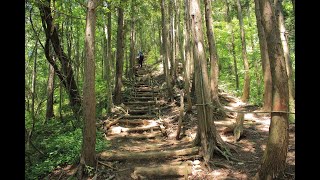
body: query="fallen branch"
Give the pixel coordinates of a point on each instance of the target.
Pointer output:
(164, 170)
(114, 122)
(105, 164)
(116, 156)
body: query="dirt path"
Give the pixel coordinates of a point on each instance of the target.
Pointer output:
(143, 144)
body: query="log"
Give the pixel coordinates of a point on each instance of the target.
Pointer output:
(145, 128)
(134, 136)
(135, 121)
(160, 171)
(138, 117)
(117, 156)
(140, 102)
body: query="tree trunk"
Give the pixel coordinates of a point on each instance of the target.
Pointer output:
(77, 59)
(233, 51)
(246, 86)
(67, 72)
(132, 41)
(267, 95)
(119, 62)
(286, 51)
(274, 158)
(165, 39)
(105, 50)
(208, 136)
(89, 98)
(293, 5)
(187, 74)
(110, 61)
(213, 59)
(171, 42)
(33, 93)
(109, 25)
(50, 92)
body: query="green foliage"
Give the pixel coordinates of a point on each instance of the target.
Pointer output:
(60, 145)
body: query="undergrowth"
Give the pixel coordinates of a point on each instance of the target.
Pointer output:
(60, 144)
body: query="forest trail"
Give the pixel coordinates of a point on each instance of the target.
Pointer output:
(142, 137)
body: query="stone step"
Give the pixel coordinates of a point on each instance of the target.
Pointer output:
(140, 102)
(145, 117)
(139, 111)
(143, 98)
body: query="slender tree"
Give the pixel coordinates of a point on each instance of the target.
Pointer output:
(207, 134)
(65, 74)
(286, 51)
(50, 92)
(213, 59)
(188, 63)
(165, 47)
(232, 49)
(119, 56)
(89, 98)
(246, 86)
(274, 158)
(267, 93)
(132, 40)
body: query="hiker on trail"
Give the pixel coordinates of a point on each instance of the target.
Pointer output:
(140, 58)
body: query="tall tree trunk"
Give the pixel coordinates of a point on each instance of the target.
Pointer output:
(119, 62)
(274, 158)
(50, 92)
(77, 59)
(89, 97)
(165, 39)
(172, 40)
(105, 50)
(33, 94)
(233, 51)
(286, 51)
(67, 72)
(109, 26)
(234, 58)
(132, 40)
(207, 134)
(187, 42)
(213, 59)
(267, 95)
(246, 86)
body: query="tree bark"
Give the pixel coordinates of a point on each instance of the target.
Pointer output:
(285, 46)
(119, 62)
(89, 97)
(267, 95)
(165, 39)
(233, 51)
(208, 137)
(66, 68)
(187, 42)
(274, 158)
(213, 60)
(246, 86)
(171, 43)
(132, 40)
(50, 92)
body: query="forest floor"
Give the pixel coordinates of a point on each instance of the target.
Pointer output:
(144, 157)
